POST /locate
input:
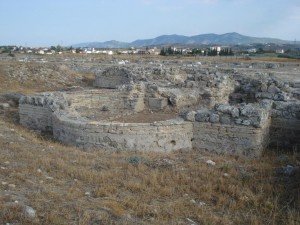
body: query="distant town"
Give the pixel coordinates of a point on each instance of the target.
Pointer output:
(277, 50)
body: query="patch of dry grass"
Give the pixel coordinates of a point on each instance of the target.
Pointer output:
(30, 77)
(69, 186)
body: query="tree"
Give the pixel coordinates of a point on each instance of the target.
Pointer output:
(77, 50)
(162, 51)
(170, 51)
(59, 48)
(196, 51)
(212, 52)
(260, 51)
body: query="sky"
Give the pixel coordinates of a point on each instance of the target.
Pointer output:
(66, 22)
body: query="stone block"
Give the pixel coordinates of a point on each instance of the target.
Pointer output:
(4, 106)
(202, 115)
(273, 89)
(225, 119)
(157, 104)
(214, 118)
(189, 116)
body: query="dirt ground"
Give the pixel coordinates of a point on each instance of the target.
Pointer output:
(147, 117)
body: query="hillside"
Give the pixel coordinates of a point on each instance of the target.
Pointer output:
(207, 39)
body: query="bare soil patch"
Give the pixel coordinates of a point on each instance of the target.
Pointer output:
(146, 117)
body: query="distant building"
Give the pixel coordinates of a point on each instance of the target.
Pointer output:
(186, 51)
(89, 50)
(154, 51)
(142, 52)
(218, 48)
(125, 52)
(252, 50)
(280, 51)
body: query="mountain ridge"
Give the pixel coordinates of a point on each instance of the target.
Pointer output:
(232, 38)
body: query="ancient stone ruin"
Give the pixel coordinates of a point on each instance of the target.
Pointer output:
(231, 108)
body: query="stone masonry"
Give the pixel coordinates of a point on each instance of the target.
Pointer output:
(228, 109)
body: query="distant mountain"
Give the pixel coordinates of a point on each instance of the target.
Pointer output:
(202, 39)
(231, 39)
(106, 44)
(161, 40)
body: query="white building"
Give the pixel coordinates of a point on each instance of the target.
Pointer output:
(280, 51)
(218, 48)
(251, 50)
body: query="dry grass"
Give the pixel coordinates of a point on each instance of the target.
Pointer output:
(69, 186)
(158, 57)
(66, 185)
(31, 77)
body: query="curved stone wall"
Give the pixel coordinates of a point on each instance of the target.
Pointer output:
(113, 102)
(36, 117)
(36, 111)
(160, 136)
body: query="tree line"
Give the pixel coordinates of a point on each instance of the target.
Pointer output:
(197, 51)
(170, 51)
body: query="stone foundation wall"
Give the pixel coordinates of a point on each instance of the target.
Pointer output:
(108, 100)
(36, 117)
(239, 130)
(113, 77)
(161, 136)
(231, 139)
(285, 133)
(36, 111)
(214, 87)
(285, 126)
